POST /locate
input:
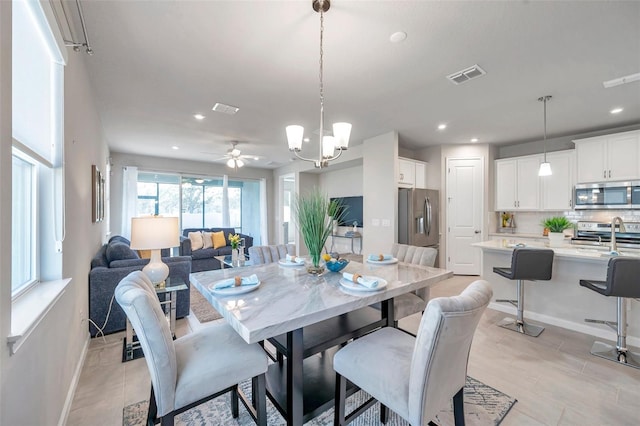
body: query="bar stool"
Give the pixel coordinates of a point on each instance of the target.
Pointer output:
(526, 264)
(623, 281)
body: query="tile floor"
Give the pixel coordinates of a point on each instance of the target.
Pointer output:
(554, 378)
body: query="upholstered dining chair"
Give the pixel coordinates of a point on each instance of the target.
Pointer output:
(194, 368)
(415, 376)
(260, 255)
(416, 301)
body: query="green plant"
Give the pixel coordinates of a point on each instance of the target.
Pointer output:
(312, 212)
(557, 223)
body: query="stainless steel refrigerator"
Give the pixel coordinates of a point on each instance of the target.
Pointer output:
(418, 223)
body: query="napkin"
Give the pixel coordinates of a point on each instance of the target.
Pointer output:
(294, 259)
(231, 282)
(367, 282)
(380, 257)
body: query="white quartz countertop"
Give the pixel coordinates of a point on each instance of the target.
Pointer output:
(567, 250)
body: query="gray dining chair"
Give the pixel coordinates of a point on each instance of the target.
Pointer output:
(260, 255)
(194, 368)
(416, 301)
(414, 376)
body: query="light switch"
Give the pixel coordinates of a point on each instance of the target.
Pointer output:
(375, 222)
(386, 223)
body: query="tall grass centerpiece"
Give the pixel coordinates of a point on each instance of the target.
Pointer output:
(313, 213)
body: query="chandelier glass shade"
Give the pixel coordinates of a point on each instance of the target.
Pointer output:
(545, 166)
(341, 131)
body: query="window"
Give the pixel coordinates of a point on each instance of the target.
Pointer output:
(23, 223)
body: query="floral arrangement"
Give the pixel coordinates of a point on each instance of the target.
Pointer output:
(234, 239)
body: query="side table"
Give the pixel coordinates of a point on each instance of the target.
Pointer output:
(131, 348)
(351, 237)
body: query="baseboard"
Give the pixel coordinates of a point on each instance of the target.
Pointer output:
(64, 415)
(601, 332)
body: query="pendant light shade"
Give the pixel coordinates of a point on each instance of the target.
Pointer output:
(545, 166)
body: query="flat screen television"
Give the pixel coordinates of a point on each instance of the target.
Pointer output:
(353, 207)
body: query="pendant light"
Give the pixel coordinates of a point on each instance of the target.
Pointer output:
(545, 167)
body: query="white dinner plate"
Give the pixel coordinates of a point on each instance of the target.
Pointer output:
(383, 262)
(359, 287)
(283, 262)
(232, 291)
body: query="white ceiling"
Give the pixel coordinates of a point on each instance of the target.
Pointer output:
(158, 63)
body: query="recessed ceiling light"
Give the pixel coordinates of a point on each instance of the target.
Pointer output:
(175, 147)
(616, 111)
(442, 126)
(198, 116)
(224, 108)
(474, 140)
(397, 37)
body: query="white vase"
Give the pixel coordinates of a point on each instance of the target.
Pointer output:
(556, 239)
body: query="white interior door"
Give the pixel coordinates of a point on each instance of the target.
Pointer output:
(465, 194)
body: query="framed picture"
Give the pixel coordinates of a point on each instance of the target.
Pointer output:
(97, 195)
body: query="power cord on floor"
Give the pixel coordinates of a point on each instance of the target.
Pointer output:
(100, 329)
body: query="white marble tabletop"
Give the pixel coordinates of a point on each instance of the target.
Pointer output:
(289, 298)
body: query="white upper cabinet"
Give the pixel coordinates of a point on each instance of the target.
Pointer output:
(517, 183)
(412, 173)
(557, 189)
(608, 158)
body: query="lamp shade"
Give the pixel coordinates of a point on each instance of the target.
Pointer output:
(154, 232)
(328, 146)
(294, 136)
(545, 169)
(342, 133)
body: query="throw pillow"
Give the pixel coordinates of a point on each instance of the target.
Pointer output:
(196, 240)
(207, 239)
(120, 251)
(219, 240)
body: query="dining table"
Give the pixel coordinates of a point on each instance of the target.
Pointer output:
(307, 318)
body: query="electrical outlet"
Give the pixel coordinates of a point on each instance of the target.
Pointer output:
(386, 223)
(375, 222)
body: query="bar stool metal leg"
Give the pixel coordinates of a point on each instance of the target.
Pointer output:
(619, 353)
(519, 324)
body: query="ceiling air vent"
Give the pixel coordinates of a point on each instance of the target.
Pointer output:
(466, 74)
(227, 109)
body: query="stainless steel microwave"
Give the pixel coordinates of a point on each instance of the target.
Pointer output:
(608, 195)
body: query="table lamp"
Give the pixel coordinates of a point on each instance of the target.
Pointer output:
(155, 233)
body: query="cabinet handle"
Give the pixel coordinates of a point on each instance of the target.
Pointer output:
(514, 204)
(570, 202)
(604, 174)
(401, 176)
(609, 173)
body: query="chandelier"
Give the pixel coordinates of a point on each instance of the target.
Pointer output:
(545, 167)
(341, 131)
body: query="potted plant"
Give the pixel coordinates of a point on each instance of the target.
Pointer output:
(313, 213)
(556, 226)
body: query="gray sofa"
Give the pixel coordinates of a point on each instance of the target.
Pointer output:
(114, 261)
(203, 259)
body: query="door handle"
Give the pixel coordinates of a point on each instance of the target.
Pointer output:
(427, 204)
(477, 231)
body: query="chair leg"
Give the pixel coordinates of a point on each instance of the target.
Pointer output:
(519, 325)
(260, 399)
(384, 414)
(234, 402)
(340, 395)
(458, 408)
(153, 409)
(620, 353)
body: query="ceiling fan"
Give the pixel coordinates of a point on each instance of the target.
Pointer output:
(235, 158)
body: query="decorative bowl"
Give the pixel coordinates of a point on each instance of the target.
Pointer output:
(337, 266)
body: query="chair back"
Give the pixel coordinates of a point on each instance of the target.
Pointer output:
(260, 255)
(421, 256)
(138, 299)
(441, 352)
(531, 264)
(623, 277)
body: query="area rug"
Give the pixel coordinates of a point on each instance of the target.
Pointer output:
(483, 405)
(201, 307)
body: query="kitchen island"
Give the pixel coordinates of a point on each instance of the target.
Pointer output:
(561, 301)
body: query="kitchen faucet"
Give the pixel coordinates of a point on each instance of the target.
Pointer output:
(617, 219)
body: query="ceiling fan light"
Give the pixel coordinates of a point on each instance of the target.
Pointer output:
(342, 133)
(231, 163)
(328, 146)
(545, 169)
(294, 137)
(235, 152)
(239, 163)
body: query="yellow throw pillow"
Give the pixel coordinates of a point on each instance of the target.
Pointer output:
(218, 239)
(196, 240)
(207, 239)
(144, 254)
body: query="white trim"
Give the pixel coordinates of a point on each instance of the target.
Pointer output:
(31, 154)
(28, 310)
(66, 409)
(604, 333)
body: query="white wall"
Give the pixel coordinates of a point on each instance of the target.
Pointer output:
(380, 192)
(186, 167)
(37, 382)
